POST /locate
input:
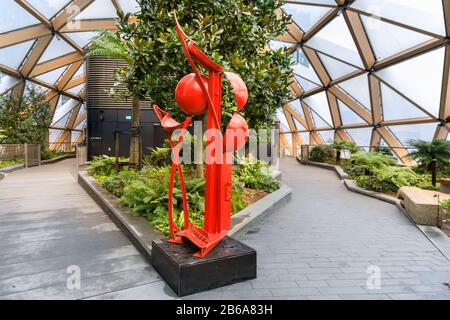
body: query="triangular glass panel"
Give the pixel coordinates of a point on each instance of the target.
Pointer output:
(82, 39)
(57, 48)
(305, 137)
(319, 104)
(130, 6)
(348, 116)
(81, 125)
(305, 16)
(79, 72)
(305, 84)
(14, 17)
(49, 8)
(52, 76)
(7, 82)
(406, 133)
(327, 136)
(76, 90)
(13, 56)
(283, 122)
(336, 69)
(420, 79)
(298, 125)
(298, 107)
(396, 107)
(304, 69)
(98, 9)
(358, 89)
(319, 122)
(61, 123)
(388, 39)
(75, 136)
(65, 105)
(336, 40)
(426, 15)
(36, 87)
(361, 137)
(54, 134)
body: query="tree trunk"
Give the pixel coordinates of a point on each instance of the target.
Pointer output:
(338, 156)
(135, 141)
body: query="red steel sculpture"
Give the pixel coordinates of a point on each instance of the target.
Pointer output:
(197, 94)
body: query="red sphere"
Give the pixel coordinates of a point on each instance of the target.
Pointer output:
(239, 88)
(189, 95)
(237, 131)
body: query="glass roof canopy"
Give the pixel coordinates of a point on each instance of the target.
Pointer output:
(371, 71)
(375, 72)
(41, 44)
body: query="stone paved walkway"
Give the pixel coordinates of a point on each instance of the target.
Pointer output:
(318, 246)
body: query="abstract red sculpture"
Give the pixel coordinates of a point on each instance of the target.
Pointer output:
(197, 94)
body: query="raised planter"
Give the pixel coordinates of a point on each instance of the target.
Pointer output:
(337, 169)
(58, 159)
(12, 168)
(142, 233)
(445, 185)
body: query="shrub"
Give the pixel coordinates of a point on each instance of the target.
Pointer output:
(148, 196)
(101, 166)
(116, 183)
(446, 205)
(159, 157)
(255, 174)
(321, 153)
(374, 160)
(10, 163)
(388, 179)
(50, 154)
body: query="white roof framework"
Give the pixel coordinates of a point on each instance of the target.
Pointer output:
(41, 44)
(375, 72)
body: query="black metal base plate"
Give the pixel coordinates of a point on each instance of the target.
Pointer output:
(230, 262)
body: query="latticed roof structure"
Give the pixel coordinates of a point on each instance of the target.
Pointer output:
(375, 72)
(41, 44)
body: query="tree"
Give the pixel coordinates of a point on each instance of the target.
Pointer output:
(431, 155)
(114, 46)
(25, 118)
(235, 33)
(339, 146)
(424, 152)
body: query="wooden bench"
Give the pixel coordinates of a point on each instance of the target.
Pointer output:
(422, 205)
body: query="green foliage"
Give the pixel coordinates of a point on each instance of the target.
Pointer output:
(446, 205)
(234, 33)
(158, 157)
(339, 145)
(321, 153)
(25, 118)
(10, 163)
(426, 151)
(50, 154)
(116, 183)
(352, 147)
(148, 196)
(388, 179)
(255, 174)
(372, 160)
(102, 166)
